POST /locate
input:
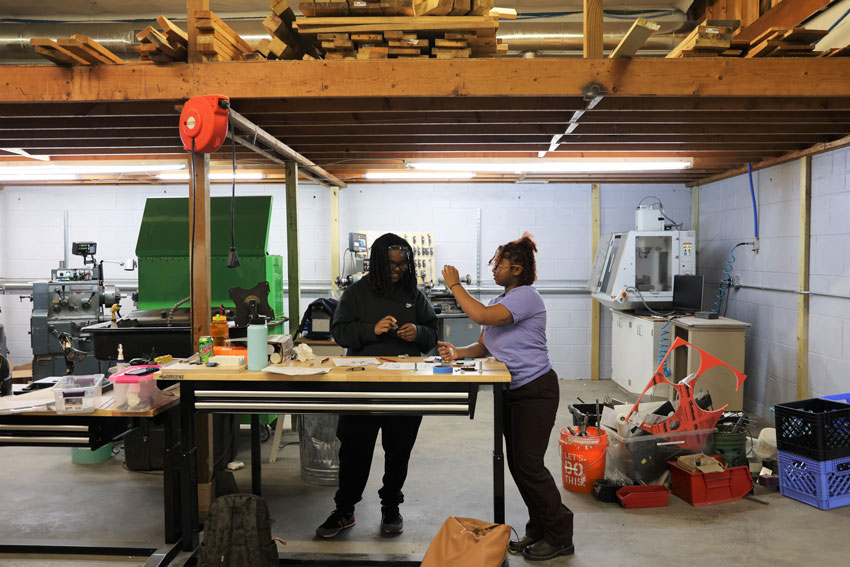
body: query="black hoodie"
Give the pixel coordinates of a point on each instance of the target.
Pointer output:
(360, 308)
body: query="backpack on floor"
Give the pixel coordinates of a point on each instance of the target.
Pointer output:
(238, 534)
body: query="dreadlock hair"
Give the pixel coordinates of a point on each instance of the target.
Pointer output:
(380, 276)
(520, 252)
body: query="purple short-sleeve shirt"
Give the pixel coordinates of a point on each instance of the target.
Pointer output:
(521, 345)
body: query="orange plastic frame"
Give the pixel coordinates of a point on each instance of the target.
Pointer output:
(688, 416)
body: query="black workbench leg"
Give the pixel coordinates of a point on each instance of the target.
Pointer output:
(256, 456)
(498, 457)
(188, 468)
(171, 476)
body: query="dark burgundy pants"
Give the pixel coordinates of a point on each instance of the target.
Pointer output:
(529, 417)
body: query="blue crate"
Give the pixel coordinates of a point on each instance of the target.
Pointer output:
(845, 398)
(822, 484)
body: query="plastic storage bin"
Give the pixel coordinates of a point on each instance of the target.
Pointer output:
(822, 484)
(135, 393)
(649, 496)
(817, 429)
(78, 394)
(845, 398)
(644, 458)
(702, 489)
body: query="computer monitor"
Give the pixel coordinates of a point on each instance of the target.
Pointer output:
(687, 293)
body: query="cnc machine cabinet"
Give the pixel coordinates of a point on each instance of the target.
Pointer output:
(724, 338)
(634, 349)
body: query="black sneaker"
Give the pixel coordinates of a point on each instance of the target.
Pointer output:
(391, 522)
(335, 523)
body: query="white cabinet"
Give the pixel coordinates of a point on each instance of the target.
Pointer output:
(634, 344)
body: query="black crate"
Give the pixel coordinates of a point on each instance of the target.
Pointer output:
(816, 428)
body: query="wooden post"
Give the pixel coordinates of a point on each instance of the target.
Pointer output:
(695, 219)
(593, 45)
(200, 292)
(595, 228)
(194, 56)
(803, 278)
(293, 275)
(334, 236)
(199, 241)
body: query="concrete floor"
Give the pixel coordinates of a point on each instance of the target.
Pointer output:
(46, 496)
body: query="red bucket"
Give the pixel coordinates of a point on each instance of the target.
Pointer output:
(582, 459)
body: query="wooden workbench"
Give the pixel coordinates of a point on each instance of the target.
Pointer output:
(94, 430)
(366, 391)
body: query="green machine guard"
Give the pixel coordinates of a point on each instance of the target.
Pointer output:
(163, 252)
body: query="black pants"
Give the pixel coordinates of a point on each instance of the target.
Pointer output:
(529, 417)
(357, 435)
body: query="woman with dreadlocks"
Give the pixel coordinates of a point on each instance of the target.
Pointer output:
(513, 329)
(383, 314)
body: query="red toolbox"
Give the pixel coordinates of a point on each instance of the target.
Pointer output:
(702, 489)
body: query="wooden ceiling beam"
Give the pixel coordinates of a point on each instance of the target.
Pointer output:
(465, 146)
(464, 117)
(418, 105)
(715, 117)
(95, 123)
(768, 102)
(89, 109)
(402, 133)
(718, 77)
(712, 129)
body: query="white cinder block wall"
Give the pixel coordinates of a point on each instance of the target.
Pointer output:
(767, 297)
(31, 237)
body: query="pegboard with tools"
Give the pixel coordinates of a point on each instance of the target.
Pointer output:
(423, 245)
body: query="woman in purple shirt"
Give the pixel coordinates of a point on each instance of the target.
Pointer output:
(513, 329)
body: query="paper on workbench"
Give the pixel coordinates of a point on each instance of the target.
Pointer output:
(398, 366)
(296, 370)
(364, 361)
(31, 401)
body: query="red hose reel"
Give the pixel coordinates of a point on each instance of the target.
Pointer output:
(204, 121)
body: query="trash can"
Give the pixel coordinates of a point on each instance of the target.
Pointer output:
(319, 448)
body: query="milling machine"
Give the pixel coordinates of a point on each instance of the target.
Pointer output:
(73, 298)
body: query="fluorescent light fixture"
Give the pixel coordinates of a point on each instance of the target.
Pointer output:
(53, 168)
(240, 176)
(555, 166)
(419, 175)
(37, 177)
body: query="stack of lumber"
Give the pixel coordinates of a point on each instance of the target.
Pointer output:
(74, 50)
(783, 42)
(454, 46)
(370, 37)
(162, 47)
(710, 39)
(408, 8)
(285, 42)
(217, 41)
(717, 38)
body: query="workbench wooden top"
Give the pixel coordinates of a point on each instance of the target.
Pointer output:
(171, 397)
(492, 371)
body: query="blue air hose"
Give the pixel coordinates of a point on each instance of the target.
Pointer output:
(753, 197)
(726, 281)
(663, 345)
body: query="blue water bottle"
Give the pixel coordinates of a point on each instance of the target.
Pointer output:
(258, 340)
